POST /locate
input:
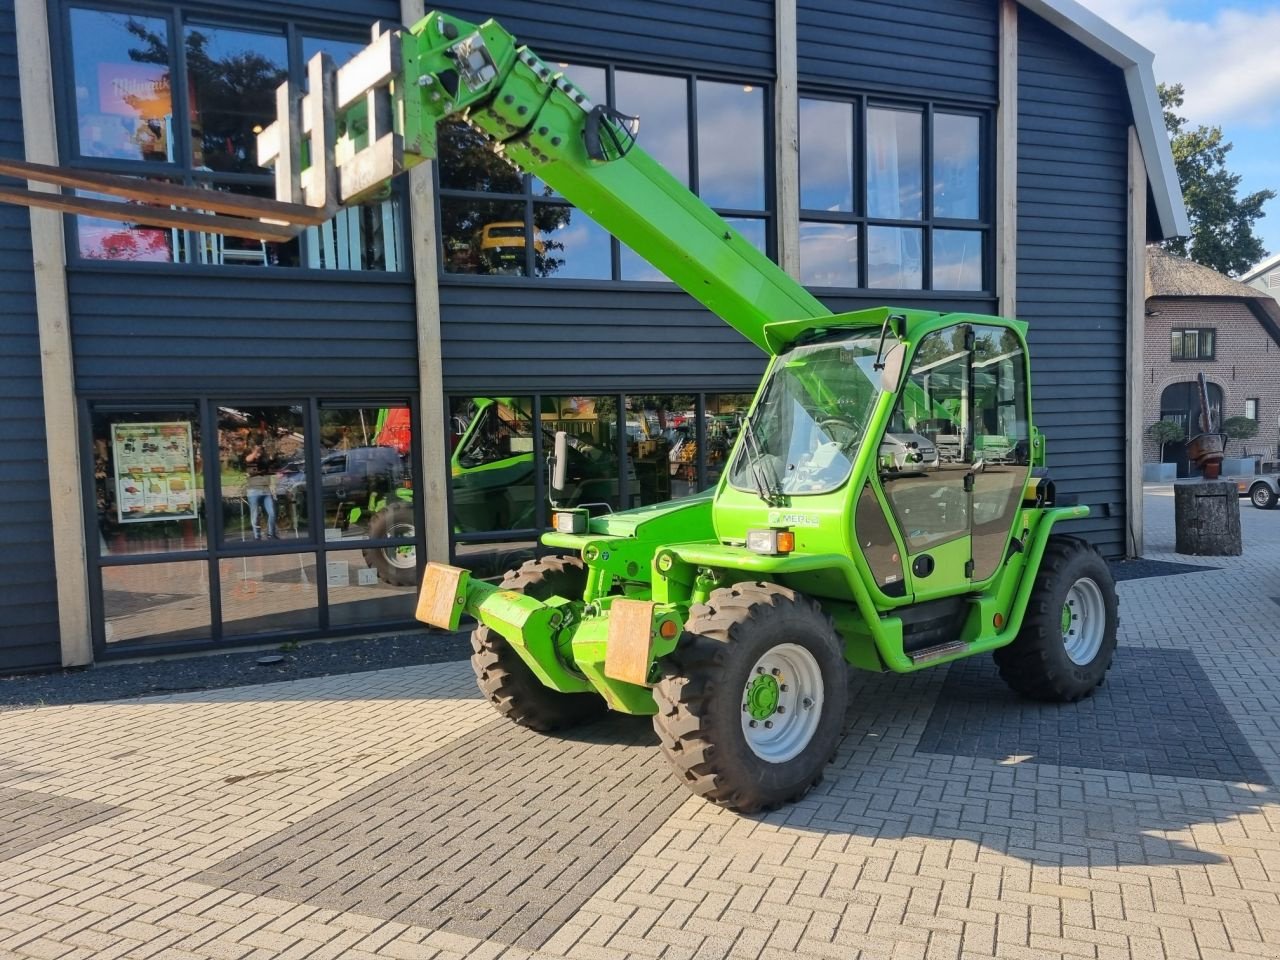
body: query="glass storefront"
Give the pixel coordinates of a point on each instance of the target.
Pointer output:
(311, 503)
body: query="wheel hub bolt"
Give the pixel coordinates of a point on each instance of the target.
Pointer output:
(768, 724)
(782, 709)
(807, 703)
(782, 687)
(759, 669)
(776, 672)
(751, 723)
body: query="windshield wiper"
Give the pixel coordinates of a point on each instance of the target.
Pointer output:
(768, 487)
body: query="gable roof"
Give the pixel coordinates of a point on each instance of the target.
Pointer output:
(1173, 276)
(1135, 60)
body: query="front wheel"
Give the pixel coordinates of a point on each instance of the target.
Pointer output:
(1068, 636)
(1262, 496)
(752, 701)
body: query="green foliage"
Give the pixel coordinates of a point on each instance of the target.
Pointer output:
(1221, 221)
(1166, 431)
(1240, 428)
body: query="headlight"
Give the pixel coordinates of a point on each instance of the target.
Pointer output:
(771, 542)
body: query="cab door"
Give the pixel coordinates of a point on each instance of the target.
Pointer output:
(926, 462)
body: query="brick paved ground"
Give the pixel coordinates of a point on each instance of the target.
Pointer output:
(389, 815)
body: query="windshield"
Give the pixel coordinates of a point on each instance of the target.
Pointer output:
(806, 429)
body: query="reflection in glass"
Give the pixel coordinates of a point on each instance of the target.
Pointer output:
(124, 97)
(365, 477)
(467, 163)
(570, 244)
(725, 413)
(752, 230)
(636, 267)
(662, 444)
(148, 481)
(483, 236)
(731, 145)
(894, 164)
(662, 105)
(156, 602)
(194, 246)
(826, 156)
(101, 239)
(364, 237)
(957, 260)
(828, 254)
(894, 258)
(264, 593)
(357, 595)
(262, 473)
(233, 76)
(492, 466)
(592, 426)
(492, 560)
(956, 173)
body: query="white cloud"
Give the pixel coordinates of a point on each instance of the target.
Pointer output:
(1227, 60)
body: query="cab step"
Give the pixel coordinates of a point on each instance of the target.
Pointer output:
(936, 653)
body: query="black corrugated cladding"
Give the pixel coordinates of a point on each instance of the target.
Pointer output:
(1073, 120)
(28, 592)
(557, 335)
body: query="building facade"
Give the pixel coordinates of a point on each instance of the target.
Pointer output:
(213, 441)
(1265, 277)
(1199, 321)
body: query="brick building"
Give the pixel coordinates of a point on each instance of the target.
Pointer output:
(1197, 319)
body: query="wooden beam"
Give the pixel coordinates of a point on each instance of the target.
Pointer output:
(1135, 333)
(425, 246)
(374, 66)
(57, 372)
(1007, 163)
(152, 216)
(786, 113)
(157, 191)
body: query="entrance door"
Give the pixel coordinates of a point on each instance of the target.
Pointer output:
(1180, 402)
(926, 459)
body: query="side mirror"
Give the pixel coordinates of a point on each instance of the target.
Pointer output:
(558, 466)
(891, 371)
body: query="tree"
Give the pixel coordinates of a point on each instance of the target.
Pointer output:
(1165, 432)
(1221, 221)
(1240, 428)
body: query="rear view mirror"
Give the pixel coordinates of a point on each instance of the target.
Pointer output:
(891, 368)
(559, 464)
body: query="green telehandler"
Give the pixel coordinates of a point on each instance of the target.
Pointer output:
(886, 505)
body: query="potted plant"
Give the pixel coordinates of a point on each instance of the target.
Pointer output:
(1163, 432)
(1240, 428)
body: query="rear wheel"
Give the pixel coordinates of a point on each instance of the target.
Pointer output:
(395, 565)
(1068, 636)
(1262, 496)
(752, 701)
(506, 680)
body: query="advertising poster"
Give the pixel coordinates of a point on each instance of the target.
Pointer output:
(155, 471)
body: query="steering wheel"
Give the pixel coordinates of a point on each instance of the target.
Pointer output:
(853, 433)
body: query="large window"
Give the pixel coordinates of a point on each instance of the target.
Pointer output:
(892, 196)
(1190, 343)
(708, 134)
(223, 518)
(169, 95)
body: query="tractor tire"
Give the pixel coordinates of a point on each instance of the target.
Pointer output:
(1262, 496)
(751, 703)
(1068, 636)
(506, 681)
(397, 566)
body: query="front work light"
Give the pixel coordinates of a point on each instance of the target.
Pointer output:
(771, 541)
(569, 521)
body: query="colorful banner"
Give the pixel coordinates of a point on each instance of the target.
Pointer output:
(155, 471)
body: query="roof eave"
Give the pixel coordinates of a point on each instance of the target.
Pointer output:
(1136, 61)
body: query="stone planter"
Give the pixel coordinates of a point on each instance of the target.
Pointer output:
(1159, 472)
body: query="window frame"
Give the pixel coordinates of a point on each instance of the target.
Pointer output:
(1179, 335)
(178, 17)
(860, 104)
(767, 215)
(1252, 416)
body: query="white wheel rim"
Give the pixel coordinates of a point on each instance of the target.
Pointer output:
(405, 557)
(1084, 621)
(1261, 496)
(782, 703)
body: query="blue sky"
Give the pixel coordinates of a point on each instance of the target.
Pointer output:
(1227, 55)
